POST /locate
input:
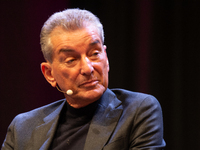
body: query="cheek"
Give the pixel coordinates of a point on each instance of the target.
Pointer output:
(60, 73)
(102, 68)
(106, 66)
(70, 74)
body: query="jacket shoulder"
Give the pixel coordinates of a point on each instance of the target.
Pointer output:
(129, 98)
(37, 114)
(25, 125)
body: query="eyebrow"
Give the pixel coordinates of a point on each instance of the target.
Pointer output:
(72, 50)
(66, 50)
(95, 42)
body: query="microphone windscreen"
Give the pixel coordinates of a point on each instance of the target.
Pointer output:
(69, 92)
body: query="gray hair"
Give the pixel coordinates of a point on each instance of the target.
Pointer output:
(69, 19)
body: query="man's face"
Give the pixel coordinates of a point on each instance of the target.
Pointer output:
(80, 63)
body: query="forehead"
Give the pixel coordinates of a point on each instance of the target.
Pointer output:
(61, 37)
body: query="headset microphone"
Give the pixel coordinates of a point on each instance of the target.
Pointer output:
(68, 92)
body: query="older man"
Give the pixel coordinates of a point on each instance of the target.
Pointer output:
(91, 117)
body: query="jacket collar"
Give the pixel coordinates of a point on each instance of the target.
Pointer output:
(43, 134)
(102, 125)
(104, 121)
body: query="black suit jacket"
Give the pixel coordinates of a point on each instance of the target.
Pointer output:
(124, 120)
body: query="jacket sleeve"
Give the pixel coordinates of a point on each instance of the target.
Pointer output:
(8, 143)
(147, 131)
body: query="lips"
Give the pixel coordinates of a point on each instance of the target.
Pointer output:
(90, 83)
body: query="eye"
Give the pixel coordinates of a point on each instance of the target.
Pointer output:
(95, 53)
(70, 61)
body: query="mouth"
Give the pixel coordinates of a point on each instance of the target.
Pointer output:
(89, 84)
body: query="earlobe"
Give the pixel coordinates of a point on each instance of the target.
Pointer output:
(47, 72)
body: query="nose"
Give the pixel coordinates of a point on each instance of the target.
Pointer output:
(86, 67)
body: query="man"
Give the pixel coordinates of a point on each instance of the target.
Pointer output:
(91, 117)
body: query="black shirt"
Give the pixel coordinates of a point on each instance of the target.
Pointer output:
(73, 127)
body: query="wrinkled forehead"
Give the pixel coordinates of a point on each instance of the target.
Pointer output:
(77, 34)
(79, 39)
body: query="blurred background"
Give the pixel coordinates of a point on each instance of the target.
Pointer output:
(153, 47)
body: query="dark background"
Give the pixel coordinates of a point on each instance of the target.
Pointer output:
(152, 45)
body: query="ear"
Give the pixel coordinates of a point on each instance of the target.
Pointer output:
(47, 72)
(105, 47)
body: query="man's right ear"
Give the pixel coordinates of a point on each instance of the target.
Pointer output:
(47, 72)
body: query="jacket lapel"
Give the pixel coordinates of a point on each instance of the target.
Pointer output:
(104, 121)
(46, 129)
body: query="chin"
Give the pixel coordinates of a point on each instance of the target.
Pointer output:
(93, 94)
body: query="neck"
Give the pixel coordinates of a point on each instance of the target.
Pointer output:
(80, 103)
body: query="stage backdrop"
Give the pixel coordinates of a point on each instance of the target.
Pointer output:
(153, 47)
